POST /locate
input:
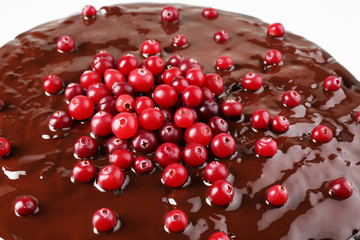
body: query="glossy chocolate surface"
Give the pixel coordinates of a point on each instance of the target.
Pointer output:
(41, 160)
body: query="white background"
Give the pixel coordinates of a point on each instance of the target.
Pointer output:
(332, 24)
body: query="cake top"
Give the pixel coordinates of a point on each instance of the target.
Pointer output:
(275, 116)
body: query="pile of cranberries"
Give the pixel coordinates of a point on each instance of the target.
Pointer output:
(154, 107)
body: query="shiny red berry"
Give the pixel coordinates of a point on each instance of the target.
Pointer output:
(291, 98)
(210, 13)
(195, 76)
(155, 64)
(60, 120)
(198, 132)
(144, 141)
(25, 206)
(332, 83)
(179, 84)
(141, 79)
(184, 117)
(215, 171)
(224, 63)
(116, 143)
(125, 103)
(341, 188)
(221, 192)
(186, 64)
(169, 132)
(112, 76)
(101, 123)
(165, 96)
(192, 96)
(81, 107)
(223, 145)
(143, 165)
(170, 14)
(143, 103)
(280, 124)
(174, 175)
(169, 75)
(126, 64)
(277, 195)
(322, 134)
(65, 44)
(231, 108)
(180, 41)
(276, 30)
(110, 177)
(107, 104)
(260, 119)
(53, 84)
(252, 81)
(218, 125)
(222, 36)
(84, 172)
(97, 91)
(124, 125)
(122, 158)
(151, 119)
(89, 77)
(176, 221)
(219, 236)
(88, 12)
(104, 220)
(4, 147)
(85, 147)
(215, 83)
(266, 147)
(72, 90)
(194, 155)
(150, 47)
(167, 153)
(273, 56)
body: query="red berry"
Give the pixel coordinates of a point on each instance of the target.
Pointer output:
(222, 36)
(97, 91)
(170, 14)
(60, 120)
(104, 220)
(84, 172)
(179, 84)
(143, 103)
(223, 145)
(126, 64)
(280, 124)
(195, 76)
(174, 61)
(65, 44)
(112, 76)
(192, 96)
(207, 94)
(332, 83)
(231, 108)
(276, 30)
(252, 81)
(176, 221)
(188, 63)
(72, 90)
(273, 56)
(155, 64)
(4, 147)
(170, 74)
(141, 79)
(221, 192)
(291, 98)
(53, 84)
(81, 107)
(150, 47)
(277, 195)
(169, 132)
(215, 171)
(215, 83)
(125, 103)
(218, 125)
(322, 134)
(124, 125)
(180, 41)
(89, 77)
(107, 104)
(105, 56)
(100, 65)
(122, 158)
(357, 116)
(210, 13)
(194, 155)
(207, 109)
(116, 143)
(151, 119)
(101, 123)
(219, 236)
(184, 117)
(266, 147)
(224, 63)
(88, 12)
(110, 177)
(25, 206)
(198, 133)
(174, 175)
(143, 165)
(120, 88)
(85, 147)
(341, 188)
(167, 153)
(260, 119)
(165, 96)
(167, 113)
(144, 141)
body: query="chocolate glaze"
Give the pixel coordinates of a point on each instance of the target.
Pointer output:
(41, 160)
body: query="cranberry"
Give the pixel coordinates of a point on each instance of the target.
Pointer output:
(231, 108)
(144, 141)
(221, 192)
(107, 104)
(195, 76)
(277, 195)
(143, 103)
(101, 65)
(88, 12)
(104, 220)
(207, 109)
(252, 81)
(111, 177)
(224, 63)
(223, 145)
(192, 96)
(123, 88)
(215, 83)
(188, 63)
(280, 124)
(65, 44)
(101, 123)
(143, 165)
(291, 98)
(179, 84)
(332, 83)
(174, 61)
(198, 133)
(167, 114)
(53, 84)
(81, 107)
(260, 119)
(151, 119)
(276, 30)
(219, 236)
(85, 147)
(97, 91)
(124, 125)
(322, 134)
(273, 56)
(126, 64)
(218, 125)
(207, 94)
(184, 117)
(72, 90)
(84, 172)
(150, 47)
(174, 175)
(112, 76)
(210, 13)
(176, 221)
(170, 74)
(215, 171)
(4, 147)
(180, 41)
(165, 96)
(60, 120)
(170, 14)
(194, 155)
(25, 206)
(105, 56)
(357, 116)
(89, 77)
(169, 132)
(141, 79)
(116, 143)
(341, 188)
(266, 147)
(155, 64)
(125, 103)
(222, 36)
(122, 158)
(167, 153)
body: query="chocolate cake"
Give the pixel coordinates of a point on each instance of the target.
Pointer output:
(289, 156)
